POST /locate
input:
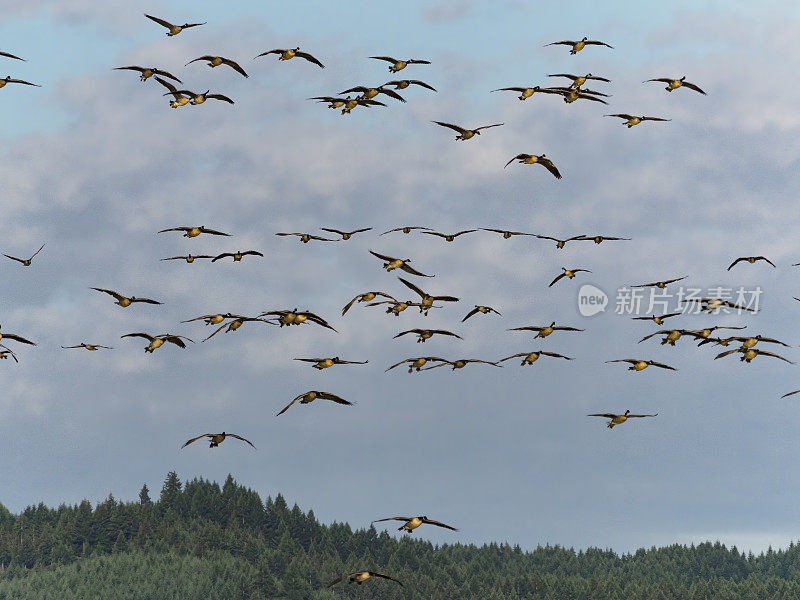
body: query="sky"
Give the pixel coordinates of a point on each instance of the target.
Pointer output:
(95, 163)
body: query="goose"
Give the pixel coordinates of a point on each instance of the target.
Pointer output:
(411, 523)
(214, 319)
(571, 94)
(480, 309)
(530, 159)
(5, 352)
(308, 397)
(295, 317)
(461, 363)
(173, 29)
(670, 336)
(640, 365)
(16, 338)
(631, 120)
(346, 104)
(579, 45)
(599, 239)
(619, 419)
(660, 284)
(346, 235)
(237, 256)
(410, 228)
(416, 363)
(506, 233)
(307, 237)
(368, 93)
(751, 260)
(401, 84)
(192, 232)
(8, 55)
(216, 439)
(156, 341)
(8, 79)
(528, 358)
(657, 319)
(674, 84)
(465, 134)
(360, 577)
(749, 354)
(125, 301)
(147, 72)
(215, 61)
(178, 99)
(705, 333)
(449, 237)
(561, 243)
(544, 330)
(288, 54)
(397, 306)
(526, 92)
(397, 263)
(89, 347)
(26, 262)
(427, 300)
(750, 341)
(569, 273)
(195, 98)
(425, 334)
(190, 258)
(324, 363)
(399, 65)
(234, 325)
(712, 304)
(365, 297)
(579, 80)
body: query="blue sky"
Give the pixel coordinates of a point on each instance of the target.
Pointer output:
(95, 163)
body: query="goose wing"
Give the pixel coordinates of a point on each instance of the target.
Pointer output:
(220, 97)
(410, 285)
(8, 55)
(235, 66)
(310, 58)
(161, 22)
(213, 231)
(451, 126)
(692, 86)
(109, 292)
(409, 269)
(521, 156)
(194, 439)
(334, 397)
(140, 334)
(238, 437)
(384, 576)
(145, 300)
(438, 524)
(17, 338)
(548, 164)
(488, 126)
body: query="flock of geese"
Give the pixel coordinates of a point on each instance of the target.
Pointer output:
(747, 346)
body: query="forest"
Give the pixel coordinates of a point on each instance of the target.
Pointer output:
(202, 540)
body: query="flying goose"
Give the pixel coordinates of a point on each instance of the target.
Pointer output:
(619, 419)
(544, 330)
(346, 104)
(506, 233)
(527, 91)
(528, 358)
(237, 256)
(360, 577)
(579, 45)
(191, 232)
(411, 523)
(465, 134)
(409, 228)
(631, 120)
(399, 65)
(125, 301)
(397, 263)
(368, 93)
(402, 84)
(705, 333)
(308, 397)
(480, 309)
(427, 300)
(530, 159)
(599, 239)
(657, 319)
(461, 363)
(16, 338)
(295, 317)
(178, 99)
(324, 363)
(670, 336)
(416, 363)
(8, 79)
(89, 347)
(674, 84)
(365, 297)
(398, 306)
(214, 319)
(233, 325)
(751, 260)
(571, 94)
(346, 235)
(660, 284)
(307, 237)
(147, 72)
(749, 354)
(712, 304)
(173, 29)
(189, 258)
(156, 341)
(750, 341)
(569, 273)
(640, 365)
(449, 237)
(579, 80)
(217, 438)
(215, 61)
(290, 53)
(561, 243)
(199, 98)
(426, 334)
(26, 262)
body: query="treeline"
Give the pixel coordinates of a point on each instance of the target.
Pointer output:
(202, 540)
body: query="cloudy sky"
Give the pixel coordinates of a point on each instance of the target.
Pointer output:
(95, 163)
